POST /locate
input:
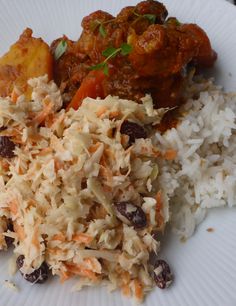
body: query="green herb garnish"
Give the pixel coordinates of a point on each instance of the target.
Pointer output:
(102, 31)
(150, 17)
(109, 53)
(100, 25)
(125, 49)
(60, 49)
(101, 66)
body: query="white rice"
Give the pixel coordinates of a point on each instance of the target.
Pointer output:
(203, 175)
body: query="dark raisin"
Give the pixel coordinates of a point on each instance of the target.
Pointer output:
(133, 130)
(39, 275)
(9, 240)
(20, 261)
(162, 274)
(7, 147)
(131, 214)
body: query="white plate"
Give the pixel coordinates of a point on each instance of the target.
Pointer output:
(205, 266)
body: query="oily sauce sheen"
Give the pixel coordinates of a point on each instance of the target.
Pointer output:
(162, 49)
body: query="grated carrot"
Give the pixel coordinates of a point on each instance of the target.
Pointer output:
(93, 263)
(59, 237)
(19, 230)
(109, 153)
(93, 148)
(80, 270)
(159, 207)
(114, 114)
(126, 290)
(83, 238)
(5, 165)
(14, 96)
(55, 251)
(64, 276)
(125, 277)
(35, 137)
(11, 132)
(49, 120)
(170, 154)
(40, 118)
(13, 206)
(35, 240)
(58, 164)
(45, 151)
(18, 141)
(156, 153)
(106, 173)
(138, 289)
(102, 110)
(57, 121)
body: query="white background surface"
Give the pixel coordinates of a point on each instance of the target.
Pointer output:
(205, 266)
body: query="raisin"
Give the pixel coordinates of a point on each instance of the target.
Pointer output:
(133, 130)
(20, 261)
(131, 214)
(39, 275)
(162, 274)
(6, 147)
(9, 240)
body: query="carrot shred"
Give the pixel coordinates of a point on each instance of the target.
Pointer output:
(5, 165)
(58, 164)
(159, 207)
(83, 238)
(109, 153)
(35, 240)
(170, 154)
(114, 114)
(45, 151)
(19, 230)
(13, 206)
(14, 96)
(56, 120)
(138, 289)
(102, 110)
(106, 173)
(92, 262)
(59, 237)
(80, 270)
(36, 137)
(48, 106)
(126, 290)
(54, 251)
(64, 276)
(93, 148)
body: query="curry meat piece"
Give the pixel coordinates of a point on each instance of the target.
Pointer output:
(29, 57)
(162, 49)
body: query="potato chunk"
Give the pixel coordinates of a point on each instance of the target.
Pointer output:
(29, 57)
